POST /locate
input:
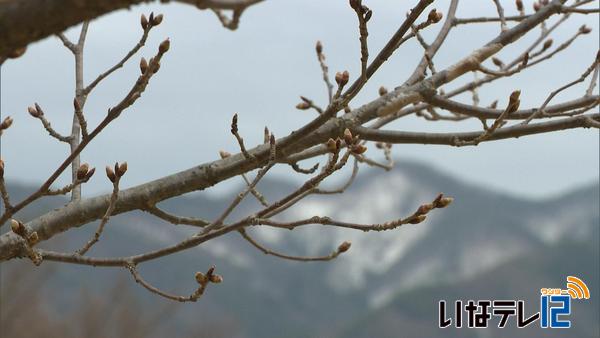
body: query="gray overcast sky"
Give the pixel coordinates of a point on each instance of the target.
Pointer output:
(259, 71)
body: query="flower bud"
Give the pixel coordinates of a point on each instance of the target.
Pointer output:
(331, 145)
(425, 208)
(444, 202)
(525, 60)
(434, 16)
(359, 149)
(33, 112)
(121, 169)
(82, 171)
(348, 137)
(341, 78)
(157, 20)
(344, 247)
(382, 91)
(144, 22)
(33, 238)
(584, 29)
(224, 154)
(303, 106)
(110, 174)
(498, 62)
(215, 279)
(164, 46)
(519, 4)
(89, 174)
(200, 277)
(143, 65)
(417, 219)
(319, 47)
(547, 44)
(8, 121)
(18, 228)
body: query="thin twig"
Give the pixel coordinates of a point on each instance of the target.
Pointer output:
(174, 219)
(266, 251)
(581, 78)
(105, 218)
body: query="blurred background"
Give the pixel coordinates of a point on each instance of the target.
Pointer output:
(526, 211)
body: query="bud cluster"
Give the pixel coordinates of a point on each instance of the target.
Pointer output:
(115, 174)
(24, 232)
(84, 173)
(434, 16)
(150, 22)
(8, 121)
(342, 78)
(210, 276)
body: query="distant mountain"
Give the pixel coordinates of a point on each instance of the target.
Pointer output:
(376, 285)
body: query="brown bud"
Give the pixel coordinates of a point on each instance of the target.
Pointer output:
(519, 4)
(584, 29)
(224, 154)
(379, 145)
(514, 96)
(424, 208)
(494, 104)
(18, 228)
(344, 247)
(348, 137)
(33, 238)
(417, 219)
(319, 47)
(266, 135)
(6, 123)
(525, 60)
(110, 173)
(441, 201)
(303, 106)
(434, 16)
(341, 78)
(200, 277)
(513, 101)
(216, 279)
(331, 145)
(164, 46)
(82, 171)
(547, 44)
(359, 149)
(497, 62)
(1, 168)
(143, 65)
(382, 91)
(536, 6)
(151, 17)
(157, 20)
(89, 174)
(121, 169)
(144, 22)
(33, 112)
(234, 121)
(17, 53)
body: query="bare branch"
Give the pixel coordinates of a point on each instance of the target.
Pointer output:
(341, 249)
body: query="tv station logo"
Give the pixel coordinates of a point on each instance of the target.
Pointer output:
(555, 308)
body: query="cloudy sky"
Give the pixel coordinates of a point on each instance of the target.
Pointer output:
(259, 71)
